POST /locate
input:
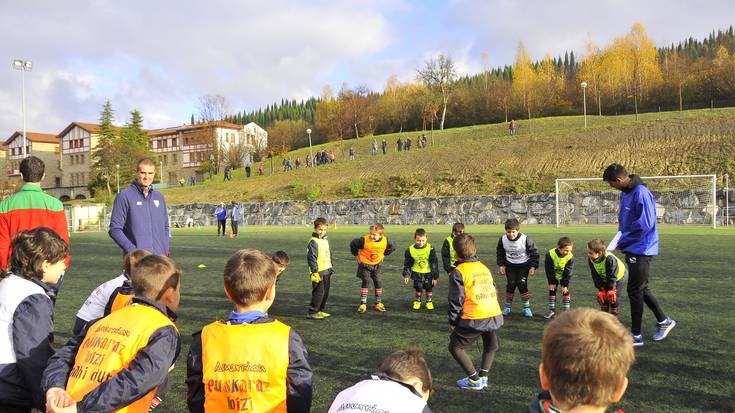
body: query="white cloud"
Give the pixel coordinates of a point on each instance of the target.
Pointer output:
(159, 56)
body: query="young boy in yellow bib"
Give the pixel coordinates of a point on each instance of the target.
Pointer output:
(421, 265)
(449, 261)
(319, 259)
(559, 265)
(369, 252)
(609, 274)
(474, 312)
(118, 362)
(248, 362)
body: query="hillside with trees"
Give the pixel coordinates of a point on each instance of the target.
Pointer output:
(627, 76)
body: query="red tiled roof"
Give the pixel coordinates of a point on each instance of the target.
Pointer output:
(34, 137)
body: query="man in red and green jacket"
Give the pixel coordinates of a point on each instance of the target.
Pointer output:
(30, 208)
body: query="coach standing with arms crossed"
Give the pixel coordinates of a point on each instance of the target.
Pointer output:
(639, 242)
(139, 215)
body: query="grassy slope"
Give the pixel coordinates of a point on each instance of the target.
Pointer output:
(482, 159)
(692, 371)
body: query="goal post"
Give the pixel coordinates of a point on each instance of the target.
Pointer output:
(680, 200)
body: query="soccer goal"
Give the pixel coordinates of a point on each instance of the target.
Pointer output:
(680, 200)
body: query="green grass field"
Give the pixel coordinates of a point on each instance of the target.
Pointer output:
(693, 370)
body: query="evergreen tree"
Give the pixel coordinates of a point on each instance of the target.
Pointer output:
(104, 155)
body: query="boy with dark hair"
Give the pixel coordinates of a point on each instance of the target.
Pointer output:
(319, 259)
(281, 259)
(110, 295)
(559, 264)
(402, 383)
(449, 261)
(474, 312)
(369, 252)
(120, 361)
(421, 265)
(30, 208)
(608, 273)
(517, 258)
(272, 368)
(27, 317)
(585, 359)
(639, 242)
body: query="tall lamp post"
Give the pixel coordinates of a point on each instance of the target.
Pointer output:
(308, 132)
(584, 101)
(117, 174)
(24, 66)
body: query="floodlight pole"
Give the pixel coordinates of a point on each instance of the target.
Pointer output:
(24, 66)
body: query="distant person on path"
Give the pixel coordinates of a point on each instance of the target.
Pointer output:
(308, 161)
(374, 147)
(261, 169)
(247, 171)
(384, 146)
(298, 162)
(330, 156)
(221, 213)
(139, 215)
(639, 242)
(407, 146)
(512, 127)
(399, 144)
(227, 173)
(352, 153)
(234, 217)
(30, 208)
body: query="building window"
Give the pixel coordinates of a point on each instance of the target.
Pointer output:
(175, 160)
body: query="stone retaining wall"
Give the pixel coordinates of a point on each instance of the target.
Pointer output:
(683, 207)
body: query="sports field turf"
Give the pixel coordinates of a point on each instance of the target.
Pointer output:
(693, 278)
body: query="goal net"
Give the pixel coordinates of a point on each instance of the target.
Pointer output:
(685, 199)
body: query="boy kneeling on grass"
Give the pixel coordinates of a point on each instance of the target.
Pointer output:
(119, 361)
(585, 358)
(266, 357)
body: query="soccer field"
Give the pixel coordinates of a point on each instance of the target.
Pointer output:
(693, 370)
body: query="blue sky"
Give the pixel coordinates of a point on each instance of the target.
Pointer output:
(160, 56)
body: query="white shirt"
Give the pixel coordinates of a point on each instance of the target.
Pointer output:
(375, 395)
(515, 251)
(94, 307)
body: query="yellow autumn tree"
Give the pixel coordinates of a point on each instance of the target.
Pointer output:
(642, 56)
(548, 88)
(592, 71)
(524, 79)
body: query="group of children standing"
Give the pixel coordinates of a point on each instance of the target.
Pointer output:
(125, 340)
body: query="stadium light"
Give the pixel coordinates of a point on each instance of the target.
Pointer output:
(584, 101)
(308, 132)
(24, 66)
